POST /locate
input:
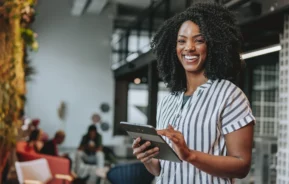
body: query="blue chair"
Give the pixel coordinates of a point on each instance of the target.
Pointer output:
(132, 173)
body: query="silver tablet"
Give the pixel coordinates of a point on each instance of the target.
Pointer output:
(149, 133)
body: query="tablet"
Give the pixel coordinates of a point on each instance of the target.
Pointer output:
(149, 133)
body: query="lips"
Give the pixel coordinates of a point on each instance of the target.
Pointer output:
(190, 58)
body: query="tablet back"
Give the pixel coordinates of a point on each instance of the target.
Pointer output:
(149, 133)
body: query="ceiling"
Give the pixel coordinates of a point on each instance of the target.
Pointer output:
(135, 3)
(96, 6)
(127, 10)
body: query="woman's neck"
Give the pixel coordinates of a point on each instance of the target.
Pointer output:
(194, 81)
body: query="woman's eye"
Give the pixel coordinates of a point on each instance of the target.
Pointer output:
(200, 41)
(181, 41)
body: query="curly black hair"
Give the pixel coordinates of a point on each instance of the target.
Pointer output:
(223, 37)
(34, 135)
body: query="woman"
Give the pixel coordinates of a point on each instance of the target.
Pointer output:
(206, 118)
(89, 157)
(91, 142)
(34, 142)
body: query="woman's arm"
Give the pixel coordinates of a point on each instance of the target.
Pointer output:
(238, 160)
(38, 146)
(153, 167)
(82, 144)
(235, 165)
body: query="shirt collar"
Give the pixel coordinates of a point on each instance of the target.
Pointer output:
(206, 85)
(200, 88)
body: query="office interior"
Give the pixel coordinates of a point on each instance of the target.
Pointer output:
(74, 61)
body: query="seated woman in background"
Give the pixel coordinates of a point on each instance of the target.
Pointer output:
(34, 142)
(91, 147)
(89, 158)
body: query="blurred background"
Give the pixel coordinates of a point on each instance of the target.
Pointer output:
(89, 63)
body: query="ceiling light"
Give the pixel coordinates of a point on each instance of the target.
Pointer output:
(274, 48)
(137, 81)
(132, 57)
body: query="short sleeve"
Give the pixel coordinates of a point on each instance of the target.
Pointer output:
(236, 112)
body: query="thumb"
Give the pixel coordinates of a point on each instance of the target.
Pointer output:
(160, 132)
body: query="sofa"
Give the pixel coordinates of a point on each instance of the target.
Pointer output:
(57, 165)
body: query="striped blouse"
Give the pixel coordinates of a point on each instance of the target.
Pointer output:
(215, 109)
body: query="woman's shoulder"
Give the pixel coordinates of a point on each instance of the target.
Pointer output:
(168, 97)
(84, 137)
(230, 90)
(228, 85)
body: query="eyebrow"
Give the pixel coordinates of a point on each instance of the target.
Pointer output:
(193, 36)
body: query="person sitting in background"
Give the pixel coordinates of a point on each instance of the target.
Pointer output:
(35, 124)
(89, 158)
(34, 142)
(28, 126)
(90, 147)
(109, 155)
(50, 147)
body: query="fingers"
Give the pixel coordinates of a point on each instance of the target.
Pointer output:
(141, 148)
(168, 130)
(175, 140)
(169, 133)
(149, 158)
(136, 142)
(174, 135)
(145, 156)
(148, 155)
(164, 132)
(170, 127)
(171, 130)
(138, 150)
(161, 132)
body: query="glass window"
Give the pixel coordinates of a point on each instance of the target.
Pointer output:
(137, 103)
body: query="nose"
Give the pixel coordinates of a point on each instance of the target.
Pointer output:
(190, 46)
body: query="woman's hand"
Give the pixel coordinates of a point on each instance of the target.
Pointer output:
(141, 152)
(179, 143)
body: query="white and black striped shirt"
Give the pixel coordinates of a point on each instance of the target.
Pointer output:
(216, 108)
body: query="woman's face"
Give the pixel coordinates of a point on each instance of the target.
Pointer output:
(191, 48)
(92, 134)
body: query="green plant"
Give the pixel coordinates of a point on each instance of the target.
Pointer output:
(16, 17)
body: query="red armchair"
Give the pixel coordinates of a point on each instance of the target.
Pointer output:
(58, 166)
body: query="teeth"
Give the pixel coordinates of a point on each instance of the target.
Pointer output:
(191, 57)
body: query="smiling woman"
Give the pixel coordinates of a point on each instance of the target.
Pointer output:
(191, 49)
(222, 37)
(207, 119)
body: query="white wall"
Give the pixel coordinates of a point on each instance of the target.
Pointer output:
(73, 65)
